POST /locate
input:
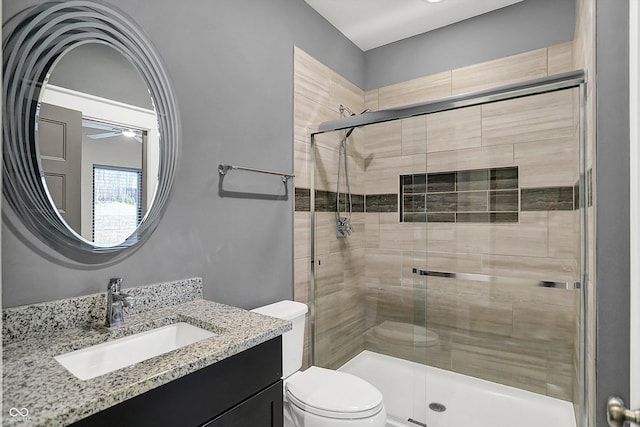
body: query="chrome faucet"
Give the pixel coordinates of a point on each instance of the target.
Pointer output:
(116, 301)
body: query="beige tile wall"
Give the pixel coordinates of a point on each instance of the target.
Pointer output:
(318, 94)
(505, 332)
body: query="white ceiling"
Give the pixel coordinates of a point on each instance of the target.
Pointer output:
(373, 23)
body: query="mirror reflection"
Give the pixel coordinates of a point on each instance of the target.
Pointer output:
(97, 134)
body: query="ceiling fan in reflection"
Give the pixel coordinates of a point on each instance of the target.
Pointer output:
(111, 130)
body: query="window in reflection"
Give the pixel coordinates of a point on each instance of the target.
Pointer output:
(117, 207)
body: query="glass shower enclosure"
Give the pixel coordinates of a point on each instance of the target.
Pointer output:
(466, 251)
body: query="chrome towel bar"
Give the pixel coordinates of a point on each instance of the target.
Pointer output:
(223, 169)
(496, 279)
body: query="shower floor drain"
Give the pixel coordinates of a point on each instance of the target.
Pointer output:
(437, 407)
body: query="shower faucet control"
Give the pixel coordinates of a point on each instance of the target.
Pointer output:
(343, 227)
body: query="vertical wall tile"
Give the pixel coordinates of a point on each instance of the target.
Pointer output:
(414, 135)
(500, 72)
(371, 100)
(548, 162)
(311, 77)
(531, 118)
(301, 235)
(307, 115)
(415, 91)
(343, 92)
(301, 159)
(383, 139)
(526, 239)
(543, 322)
(454, 130)
(397, 236)
(481, 315)
(564, 234)
(473, 158)
(560, 58)
(383, 267)
(382, 174)
(504, 362)
(372, 230)
(529, 267)
(326, 168)
(302, 279)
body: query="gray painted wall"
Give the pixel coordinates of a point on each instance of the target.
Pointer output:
(528, 25)
(612, 202)
(231, 63)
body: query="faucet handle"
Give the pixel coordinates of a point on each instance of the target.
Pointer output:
(114, 284)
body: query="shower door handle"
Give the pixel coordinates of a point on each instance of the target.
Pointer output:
(618, 414)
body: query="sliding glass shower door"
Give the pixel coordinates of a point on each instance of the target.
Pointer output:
(463, 264)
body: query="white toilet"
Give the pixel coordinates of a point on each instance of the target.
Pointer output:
(320, 397)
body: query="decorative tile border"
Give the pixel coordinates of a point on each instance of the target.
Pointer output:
(481, 195)
(326, 201)
(477, 195)
(302, 199)
(381, 202)
(548, 199)
(42, 319)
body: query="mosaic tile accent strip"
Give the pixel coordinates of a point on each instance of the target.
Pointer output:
(43, 319)
(381, 202)
(478, 195)
(326, 201)
(302, 199)
(547, 199)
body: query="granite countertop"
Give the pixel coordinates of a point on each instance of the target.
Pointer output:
(53, 396)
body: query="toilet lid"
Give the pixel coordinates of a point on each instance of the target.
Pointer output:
(333, 394)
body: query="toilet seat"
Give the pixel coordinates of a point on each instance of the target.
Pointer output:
(333, 394)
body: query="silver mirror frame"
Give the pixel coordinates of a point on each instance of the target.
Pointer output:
(41, 35)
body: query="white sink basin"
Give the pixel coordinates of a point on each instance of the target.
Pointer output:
(99, 359)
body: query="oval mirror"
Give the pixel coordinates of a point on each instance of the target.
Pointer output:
(97, 136)
(90, 129)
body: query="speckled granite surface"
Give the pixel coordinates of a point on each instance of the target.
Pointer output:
(44, 319)
(34, 380)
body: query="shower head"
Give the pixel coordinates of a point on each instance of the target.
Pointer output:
(343, 108)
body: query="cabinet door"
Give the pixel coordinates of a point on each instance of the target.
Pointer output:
(262, 410)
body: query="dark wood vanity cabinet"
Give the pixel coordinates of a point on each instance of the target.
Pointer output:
(242, 390)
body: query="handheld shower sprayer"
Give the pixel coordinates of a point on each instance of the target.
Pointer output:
(343, 223)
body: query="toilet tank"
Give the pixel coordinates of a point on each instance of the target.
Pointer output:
(292, 341)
